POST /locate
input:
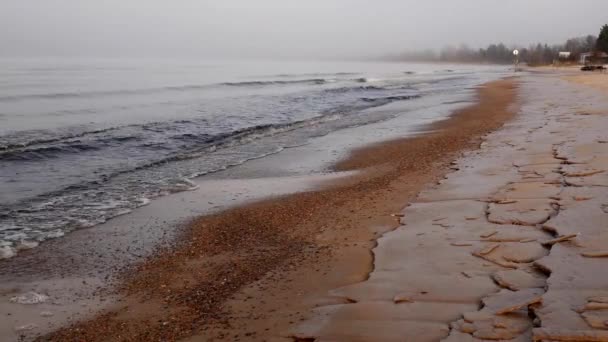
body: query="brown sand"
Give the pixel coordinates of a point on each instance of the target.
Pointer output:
(250, 273)
(595, 80)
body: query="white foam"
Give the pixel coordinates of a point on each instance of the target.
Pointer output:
(143, 201)
(15, 236)
(29, 298)
(30, 326)
(23, 245)
(121, 212)
(7, 252)
(55, 234)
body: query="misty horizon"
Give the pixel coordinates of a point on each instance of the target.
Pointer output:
(283, 29)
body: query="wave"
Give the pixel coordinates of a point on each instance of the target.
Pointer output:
(106, 93)
(367, 80)
(181, 134)
(331, 78)
(102, 93)
(319, 74)
(189, 144)
(38, 140)
(244, 135)
(207, 143)
(427, 81)
(46, 151)
(29, 138)
(342, 90)
(388, 99)
(195, 143)
(277, 82)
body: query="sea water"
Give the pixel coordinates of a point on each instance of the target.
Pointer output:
(82, 141)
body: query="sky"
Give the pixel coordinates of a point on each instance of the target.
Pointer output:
(283, 28)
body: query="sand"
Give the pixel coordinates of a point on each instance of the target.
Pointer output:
(531, 203)
(455, 235)
(598, 80)
(253, 273)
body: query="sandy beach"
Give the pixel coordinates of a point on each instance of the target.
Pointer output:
(485, 226)
(303, 171)
(47, 284)
(242, 274)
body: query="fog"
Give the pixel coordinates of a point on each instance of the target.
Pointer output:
(283, 28)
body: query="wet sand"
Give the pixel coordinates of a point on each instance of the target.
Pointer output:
(254, 272)
(76, 273)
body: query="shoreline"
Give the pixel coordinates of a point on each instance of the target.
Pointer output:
(237, 271)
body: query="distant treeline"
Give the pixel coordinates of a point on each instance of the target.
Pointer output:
(540, 54)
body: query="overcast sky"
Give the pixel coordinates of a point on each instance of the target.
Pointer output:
(283, 28)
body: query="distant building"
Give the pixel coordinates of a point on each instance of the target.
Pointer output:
(584, 56)
(564, 54)
(602, 57)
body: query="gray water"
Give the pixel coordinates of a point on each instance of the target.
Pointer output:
(82, 141)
